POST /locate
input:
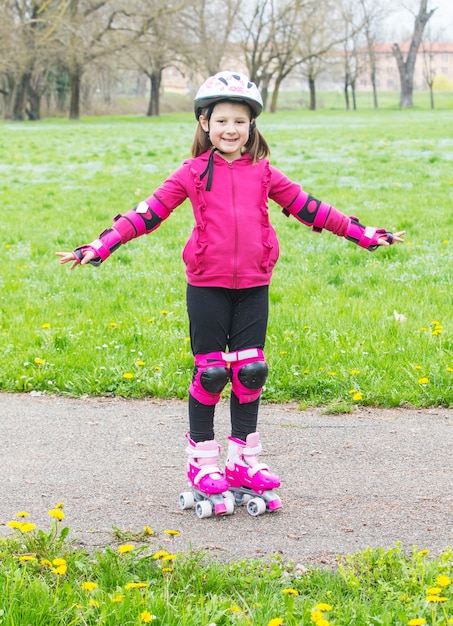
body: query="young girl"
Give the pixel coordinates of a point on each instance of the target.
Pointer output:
(229, 259)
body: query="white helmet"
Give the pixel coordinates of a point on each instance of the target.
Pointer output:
(228, 86)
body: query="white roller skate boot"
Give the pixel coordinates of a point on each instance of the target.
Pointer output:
(249, 481)
(209, 486)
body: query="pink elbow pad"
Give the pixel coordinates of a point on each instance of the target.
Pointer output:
(310, 211)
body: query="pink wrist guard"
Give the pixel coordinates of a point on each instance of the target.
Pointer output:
(140, 220)
(366, 236)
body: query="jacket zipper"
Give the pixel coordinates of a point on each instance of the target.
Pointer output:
(233, 194)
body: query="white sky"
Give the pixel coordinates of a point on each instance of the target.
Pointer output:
(402, 20)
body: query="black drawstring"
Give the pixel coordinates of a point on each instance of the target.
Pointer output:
(209, 170)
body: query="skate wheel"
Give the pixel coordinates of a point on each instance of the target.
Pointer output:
(256, 506)
(203, 509)
(186, 500)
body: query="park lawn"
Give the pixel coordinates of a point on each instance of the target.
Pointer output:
(346, 327)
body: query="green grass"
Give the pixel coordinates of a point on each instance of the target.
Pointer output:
(333, 337)
(45, 581)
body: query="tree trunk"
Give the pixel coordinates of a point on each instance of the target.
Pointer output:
(274, 99)
(75, 77)
(346, 93)
(373, 84)
(406, 67)
(154, 98)
(312, 89)
(34, 105)
(20, 98)
(354, 101)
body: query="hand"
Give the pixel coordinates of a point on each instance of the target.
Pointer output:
(67, 257)
(382, 241)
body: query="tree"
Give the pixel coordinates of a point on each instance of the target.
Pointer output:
(406, 66)
(372, 14)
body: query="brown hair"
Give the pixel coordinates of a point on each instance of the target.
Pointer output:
(256, 146)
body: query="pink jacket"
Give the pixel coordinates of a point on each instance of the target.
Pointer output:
(233, 243)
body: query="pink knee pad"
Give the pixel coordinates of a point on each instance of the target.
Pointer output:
(249, 372)
(211, 374)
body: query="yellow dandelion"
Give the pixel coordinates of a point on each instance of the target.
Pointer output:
(417, 367)
(357, 396)
(159, 555)
(443, 580)
(27, 527)
(449, 369)
(234, 609)
(283, 352)
(322, 622)
(276, 621)
(27, 557)
(148, 530)
(23, 514)
(166, 570)
(117, 598)
(135, 586)
(46, 325)
(434, 591)
(157, 368)
(113, 325)
(290, 592)
(94, 603)
(322, 606)
(45, 563)
(146, 617)
(423, 552)
(316, 616)
(163, 312)
(56, 514)
(172, 533)
(60, 570)
(417, 621)
(434, 599)
(354, 372)
(128, 376)
(89, 585)
(331, 373)
(126, 547)
(423, 381)
(59, 505)
(139, 363)
(15, 524)
(169, 557)
(39, 361)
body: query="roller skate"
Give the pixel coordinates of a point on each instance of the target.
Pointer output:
(250, 482)
(209, 492)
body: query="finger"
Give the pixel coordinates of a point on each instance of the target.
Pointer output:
(87, 257)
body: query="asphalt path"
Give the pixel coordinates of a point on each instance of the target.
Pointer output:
(371, 478)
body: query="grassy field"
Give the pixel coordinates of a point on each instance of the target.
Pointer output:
(44, 582)
(346, 325)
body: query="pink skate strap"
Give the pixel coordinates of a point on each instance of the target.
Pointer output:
(206, 470)
(257, 468)
(241, 355)
(198, 453)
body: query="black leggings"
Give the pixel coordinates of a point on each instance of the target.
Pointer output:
(221, 318)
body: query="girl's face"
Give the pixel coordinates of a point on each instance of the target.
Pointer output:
(228, 128)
